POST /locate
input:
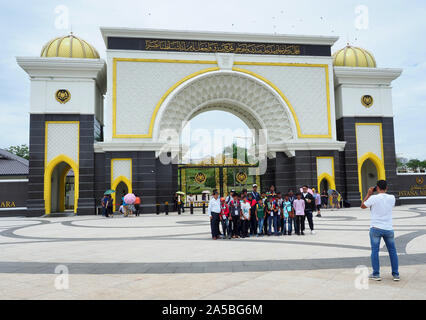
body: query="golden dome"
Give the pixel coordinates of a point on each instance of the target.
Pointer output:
(69, 46)
(354, 57)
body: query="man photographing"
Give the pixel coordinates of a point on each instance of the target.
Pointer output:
(381, 205)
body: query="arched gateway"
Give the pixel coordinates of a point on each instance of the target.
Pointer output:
(254, 101)
(322, 115)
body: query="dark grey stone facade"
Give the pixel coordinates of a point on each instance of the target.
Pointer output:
(293, 172)
(412, 188)
(12, 198)
(157, 182)
(348, 158)
(86, 201)
(154, 181)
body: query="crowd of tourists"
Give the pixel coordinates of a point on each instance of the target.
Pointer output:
(254, 214)
(126, 209)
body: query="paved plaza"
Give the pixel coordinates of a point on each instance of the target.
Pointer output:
(173, 257)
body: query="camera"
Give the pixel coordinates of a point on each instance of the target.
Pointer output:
(375, 189)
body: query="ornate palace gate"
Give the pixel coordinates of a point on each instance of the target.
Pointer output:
(194, 179)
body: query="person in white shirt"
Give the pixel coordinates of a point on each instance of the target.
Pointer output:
(214, 214)
(381, 206)
(245, 217)
(190, 199)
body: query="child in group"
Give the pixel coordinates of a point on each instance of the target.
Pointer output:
(265, 220)
(234, 217)
(263, 197)
(299, 208)
(317, 197)
(224, 218)
(272, 211)
(260, 215)
(253, 221)
(318, 204)
(245, 217)
(288, 216)
(280, 215)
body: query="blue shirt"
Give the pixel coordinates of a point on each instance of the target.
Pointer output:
(287, 208)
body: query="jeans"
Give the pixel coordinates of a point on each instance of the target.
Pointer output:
(287, 222)
(260, 223)
(265, 225)
(214, 224)
(226, 227)
(388, 236)
(272, 220)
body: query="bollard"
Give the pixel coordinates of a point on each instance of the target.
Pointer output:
(179, 208)
(158, 208)
(166, 208)
(191, 208)
(204, 207)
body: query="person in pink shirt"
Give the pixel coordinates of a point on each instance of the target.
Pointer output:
(299, 209)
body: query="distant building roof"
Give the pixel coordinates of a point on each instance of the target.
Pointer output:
(11, 164)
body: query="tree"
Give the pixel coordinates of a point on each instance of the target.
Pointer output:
(210, 181)
(235, 152)
(21, 151)
(414, 164)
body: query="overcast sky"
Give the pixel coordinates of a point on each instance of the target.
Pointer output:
(395, 35)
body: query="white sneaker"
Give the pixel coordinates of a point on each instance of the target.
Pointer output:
(313, 232)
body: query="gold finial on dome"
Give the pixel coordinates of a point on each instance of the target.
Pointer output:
(69, 46)
(351, 56)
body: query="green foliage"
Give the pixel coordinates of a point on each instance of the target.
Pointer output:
(414, 164)
(403, 164)
(210, 181)
(235, 152)
(21, 151)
